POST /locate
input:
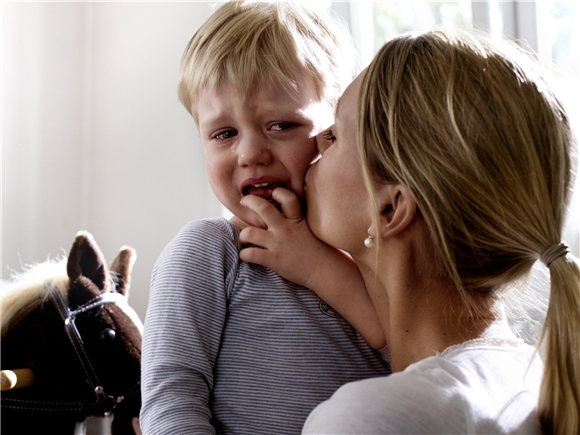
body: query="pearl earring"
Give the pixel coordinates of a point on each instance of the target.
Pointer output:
(369, 241)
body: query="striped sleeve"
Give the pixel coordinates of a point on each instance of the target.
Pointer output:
(183, 327)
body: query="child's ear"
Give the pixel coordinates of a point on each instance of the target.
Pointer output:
(397, 210)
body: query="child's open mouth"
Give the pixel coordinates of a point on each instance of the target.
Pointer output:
(264, 190)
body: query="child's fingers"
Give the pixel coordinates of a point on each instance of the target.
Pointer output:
(289, 201)
(255, 255)
(261, 207)
(254, 236)
(265, 210)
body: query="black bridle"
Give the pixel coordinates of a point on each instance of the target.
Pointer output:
(103, 403)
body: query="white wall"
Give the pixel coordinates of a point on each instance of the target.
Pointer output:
(93, 135)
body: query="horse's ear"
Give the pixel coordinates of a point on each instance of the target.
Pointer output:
(86, 269)
(122, 266)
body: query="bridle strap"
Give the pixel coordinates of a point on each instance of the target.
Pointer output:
(41, 405)
(68, 317)
(104, 403)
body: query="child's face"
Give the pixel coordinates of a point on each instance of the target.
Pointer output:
(256, 143)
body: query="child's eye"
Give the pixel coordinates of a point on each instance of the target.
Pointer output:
(279, 126)
(327, 135)
(225, 134)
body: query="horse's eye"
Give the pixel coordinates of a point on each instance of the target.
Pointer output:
(107, 335)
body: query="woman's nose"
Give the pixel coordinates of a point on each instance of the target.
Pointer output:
(254, 150)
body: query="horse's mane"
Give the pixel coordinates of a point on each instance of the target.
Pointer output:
(30, 289)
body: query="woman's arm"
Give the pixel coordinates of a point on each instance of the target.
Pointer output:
(289, 248)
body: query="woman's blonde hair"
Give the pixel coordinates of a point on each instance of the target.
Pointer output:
(247, 42)
(470, 127)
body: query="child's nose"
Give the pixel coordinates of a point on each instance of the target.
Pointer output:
(254, 150)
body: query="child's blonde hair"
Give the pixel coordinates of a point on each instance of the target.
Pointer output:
(486, 150)
(246, 43)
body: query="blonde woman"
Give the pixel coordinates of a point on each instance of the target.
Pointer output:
(446, 177)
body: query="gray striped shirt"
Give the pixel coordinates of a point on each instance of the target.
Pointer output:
(233, 348)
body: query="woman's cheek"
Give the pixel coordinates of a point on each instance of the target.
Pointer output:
(317, 207)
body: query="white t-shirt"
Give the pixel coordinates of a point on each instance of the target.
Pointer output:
(482, 386)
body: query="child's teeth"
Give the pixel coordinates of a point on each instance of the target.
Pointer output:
(260, 185)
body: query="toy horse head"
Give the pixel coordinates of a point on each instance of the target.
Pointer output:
(73, 330)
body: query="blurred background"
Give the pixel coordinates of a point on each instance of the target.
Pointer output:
(94, 138)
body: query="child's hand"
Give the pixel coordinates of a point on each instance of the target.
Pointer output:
(288, 246)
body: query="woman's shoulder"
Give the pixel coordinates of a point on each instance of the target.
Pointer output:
(507, 364)
(394, 404)
(434, 395)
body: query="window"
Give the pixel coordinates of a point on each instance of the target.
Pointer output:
(559, 41)
(393, 18)
(548, 28)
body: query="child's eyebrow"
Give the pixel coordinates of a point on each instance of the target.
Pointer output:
(210, 121)
(280, 110)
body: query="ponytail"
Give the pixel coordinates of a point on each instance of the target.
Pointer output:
(559, 404)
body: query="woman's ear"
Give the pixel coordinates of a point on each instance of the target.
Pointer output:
(397, 207)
